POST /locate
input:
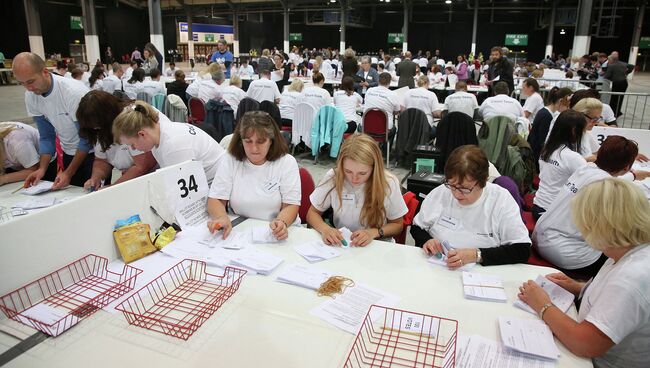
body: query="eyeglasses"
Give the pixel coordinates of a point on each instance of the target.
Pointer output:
(592, 119)
(456, 188)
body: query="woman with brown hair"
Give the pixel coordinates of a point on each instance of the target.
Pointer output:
(258, 178)
(348, 101)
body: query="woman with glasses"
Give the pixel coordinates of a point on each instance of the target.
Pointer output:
(479, 220)
(592, 110)
(95, 114)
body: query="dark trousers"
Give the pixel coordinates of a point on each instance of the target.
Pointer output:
(352, 127)
(82, 175)
(616, 101)
(591, 270)
(537, 212)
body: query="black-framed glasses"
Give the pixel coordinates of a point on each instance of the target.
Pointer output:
(592, 119)
(456, 188)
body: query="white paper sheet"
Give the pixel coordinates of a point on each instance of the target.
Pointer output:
(263, 234)
(528, 336)
(316, 251)
(415, 324)
(257, 260)
(478, 286)
(479, 352)
(443, 262)
(306, 276)
(559, 297)
(44, 313)
(35, 203)
(349, 309)
(42, 187)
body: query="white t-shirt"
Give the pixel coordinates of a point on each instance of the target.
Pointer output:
(533, 104)
(169, 72)
(120, 156)
(232, 95)
(127, 74)
(553, 174)
(246, 71)
(423, 62)
(180, 142)
(60, 109)
(436, 80)
(152, 87)
(209, 90)
(21, 147)
(608, 114)
(316, 97)
(193, 89)
(493, 220)
(263, 90)
(288, 102)
(558, 240)
(257, 191)
(132, 89)
(588, 145)
(617, 302)
(348, 105)
(501, 105)
(383, 99)
(112, 83)
(98, 86)
(349, 211)
(461, 101)
(424, 100)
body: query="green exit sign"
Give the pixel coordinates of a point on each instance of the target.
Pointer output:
(209, 37)
(75, 22)
(516, 40)
(395, 37)
(295, 36)
(644, 43)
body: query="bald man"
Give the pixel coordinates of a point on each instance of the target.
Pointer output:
(406, 70)
(53, 100)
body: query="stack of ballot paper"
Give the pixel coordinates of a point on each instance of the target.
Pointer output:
(478, 286)
(478, 352)
(42, 187)
(316, 251)
(258, 261)
(528, 336)
(36, 203)
(263, 234)
(306, 276)
(561, 298)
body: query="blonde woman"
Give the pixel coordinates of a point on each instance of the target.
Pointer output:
(363, 196)
(592, 110)
(613, 321)
(289, 99)
(232, 94)
(19, 152)
(146, 129)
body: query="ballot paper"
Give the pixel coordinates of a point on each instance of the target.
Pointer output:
(348, 310)
(36, 203)
(316, 251)
(257, 260)
(42, 187)
(478, 352)
(49, 316)
(306, 276)
(561, 298)
(263, 234)
(413, 324)
(443, 262)
(528, 336)
(478, 286)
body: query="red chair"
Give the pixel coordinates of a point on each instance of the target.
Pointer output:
(375, 124)
(528, 200)
(197, 111)
(537, 260)
(529, 221)
(306, 187)
(412, 202)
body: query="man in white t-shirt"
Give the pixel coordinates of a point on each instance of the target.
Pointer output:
(264, 89)
(169, 72)
(114, 81)
(52, 101)
(212, 89)
(316, 95)
(154, 86)
(382, 98)
(501, 104)
(461, 101)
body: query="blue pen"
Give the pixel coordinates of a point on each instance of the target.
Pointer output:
(446, 247)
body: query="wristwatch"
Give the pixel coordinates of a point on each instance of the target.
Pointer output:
(381, 233)
(479, 258)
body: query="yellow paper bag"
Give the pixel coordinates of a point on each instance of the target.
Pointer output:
(133, 241)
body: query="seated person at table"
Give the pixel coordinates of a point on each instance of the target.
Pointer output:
(95, 114)
(367, 77)
(382, 98)
(480, 220)
(149, 130)
(245, 70)
(134, 84)
(258, 178)
(557, 238)
(18, 152)
(559, 159)
(363, 196)
(592, 110)
(211, 89)
(133, 65)
(264, 89)
(557, 102)
(114, 81)
(96, 80)
(501, 104)
(426, 101)
(613, 324)
(348, 101)
(232, 94)
(178, 87)
(288, 101)
(534, 101)
(461, 101)
(169, 71)
(154, 86)
(316, 95)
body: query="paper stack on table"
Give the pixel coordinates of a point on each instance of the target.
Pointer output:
(263, 234)
(561, 298)
(316, 251)
(257, 260)
(42, 187)
(528, 336)
(479, 286)
(477, 352)
(36, 203)
(306, 276)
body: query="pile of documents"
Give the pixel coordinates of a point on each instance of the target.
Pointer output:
(317, 251)
(478, 352)
(257, 260)
(478, 286)
(561, 298)
(528, 336)
(306, 276)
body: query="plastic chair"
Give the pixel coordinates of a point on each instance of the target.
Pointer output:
(303, 119)
(197, 111)
(306, 187)
(375, 124)
(158, 101)
(412, 203)
(143, 96)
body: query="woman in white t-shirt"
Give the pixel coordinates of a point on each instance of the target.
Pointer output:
(232, 94)
(95, 114)
(480, 221)
(592, 110)
(146, 129)
(559, 158)
(134, 84)
(258, 178)
(364, 198)
(534, 102)
(316, 95)
(18, 152)
(288, 101)
(348, 101)
(96, 80)
(613, 323)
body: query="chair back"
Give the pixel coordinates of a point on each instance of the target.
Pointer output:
(197, 110)
(158, 101)
(412, 203)
(143, 96)
(303, 119)
(307, 187)
(375, 124)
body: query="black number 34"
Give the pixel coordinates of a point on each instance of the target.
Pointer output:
(185, 188)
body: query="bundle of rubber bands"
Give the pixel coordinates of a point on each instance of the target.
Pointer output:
(334, 285)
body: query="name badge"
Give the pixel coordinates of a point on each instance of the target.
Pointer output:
(348, 199)
(369, 78)
(271, 186)
(448, 222)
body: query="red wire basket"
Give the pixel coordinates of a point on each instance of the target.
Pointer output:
(395, 338)
(180, 300)
(58, 301)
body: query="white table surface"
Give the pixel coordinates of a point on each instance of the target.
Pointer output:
(266, 323)
(8, 198)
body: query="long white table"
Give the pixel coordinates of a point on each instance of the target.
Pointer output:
(8, 198)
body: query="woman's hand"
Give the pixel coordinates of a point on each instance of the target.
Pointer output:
(361, 238)
(220, 223)
(332, 236)
(433, 247)
(533, 295)
(93, 184)
(457, 258)
(566, 283)
(279, 229)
